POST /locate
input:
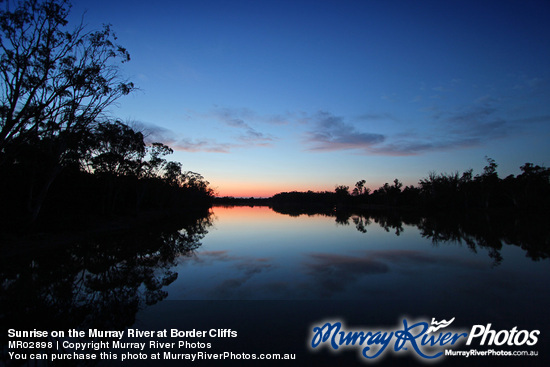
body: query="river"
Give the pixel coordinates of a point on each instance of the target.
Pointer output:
(273, 275)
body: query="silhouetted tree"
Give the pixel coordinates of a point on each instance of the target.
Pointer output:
(173, 174)
(117, 150)
(410, 196)
(440, 190)
(342, 190)
(445, 191)
(156, 163)
(533, 186)
(488, 181)
(359, 188)
(53, 84)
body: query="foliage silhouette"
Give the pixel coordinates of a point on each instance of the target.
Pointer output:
(60, 159)
(482, 211)
(54, 84)
(111, 172)
(529, 191)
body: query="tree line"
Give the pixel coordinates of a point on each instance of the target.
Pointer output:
(529, 191)
(109, 171)
(60, 157)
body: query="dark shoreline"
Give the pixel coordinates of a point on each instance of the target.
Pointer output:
(497, 225)
(17, 243)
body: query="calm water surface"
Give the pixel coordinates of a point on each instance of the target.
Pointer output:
(271, 276)
(254, 253)
(267, 273)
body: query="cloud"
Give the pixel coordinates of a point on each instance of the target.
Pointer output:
(242, 120)
(237, 118)
(188, 145)
(233, 117)
(477, 122)
(237, 123)
(411, 147)
(471, 125)
(377, 117)
(332, 133)
(157, 134)
(464, 127)
(154, 133)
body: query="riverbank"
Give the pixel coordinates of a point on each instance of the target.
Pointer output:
(15, 243)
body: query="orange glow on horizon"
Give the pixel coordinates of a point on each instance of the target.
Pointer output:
(260, 191)
(267, 191)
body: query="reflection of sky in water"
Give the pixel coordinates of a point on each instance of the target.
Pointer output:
(255, 253)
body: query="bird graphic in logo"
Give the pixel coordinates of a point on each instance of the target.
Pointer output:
(439, 325)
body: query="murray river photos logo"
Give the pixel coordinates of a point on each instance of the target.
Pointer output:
(427, 341)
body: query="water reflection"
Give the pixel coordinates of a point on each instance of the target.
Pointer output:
(475, 230)
(390, 262)
(99, 282)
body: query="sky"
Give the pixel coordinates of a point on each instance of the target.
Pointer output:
(262, 97)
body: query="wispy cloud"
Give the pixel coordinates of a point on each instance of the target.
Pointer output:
(331, 133)
(377, 117)
(154, 133)
(415, 147)
(228, 114)
(466, 127)
(242, 119)
(190, 145)
(484, 120)
(157, 134)
(479, 121)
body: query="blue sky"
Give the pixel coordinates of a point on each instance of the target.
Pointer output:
(268, 96)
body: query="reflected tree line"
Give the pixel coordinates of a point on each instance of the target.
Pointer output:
(475, 230)
(60, 156)
(482, 211)
(99, 282)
